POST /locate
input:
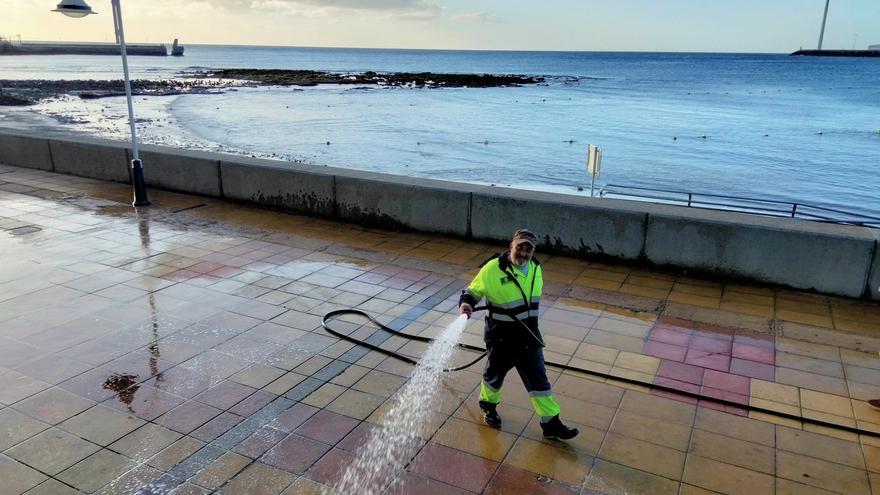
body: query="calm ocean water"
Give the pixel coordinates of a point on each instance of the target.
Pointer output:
(776, 127)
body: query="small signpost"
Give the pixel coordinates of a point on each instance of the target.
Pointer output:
(594, 163)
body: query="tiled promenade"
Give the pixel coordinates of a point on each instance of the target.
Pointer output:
(180, 348)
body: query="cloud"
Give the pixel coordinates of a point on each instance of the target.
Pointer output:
(481, 16)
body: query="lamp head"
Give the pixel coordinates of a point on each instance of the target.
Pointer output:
(74, 8)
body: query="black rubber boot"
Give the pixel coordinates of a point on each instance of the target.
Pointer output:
(490, 415)
(555, 429)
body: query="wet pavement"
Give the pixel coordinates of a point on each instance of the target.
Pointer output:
(179, 349)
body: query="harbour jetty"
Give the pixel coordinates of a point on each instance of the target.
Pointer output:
(36, 48)
(837, 53)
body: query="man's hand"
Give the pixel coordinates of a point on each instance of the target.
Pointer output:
(466, 309)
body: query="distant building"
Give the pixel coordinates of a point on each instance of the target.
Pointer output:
(873, 47)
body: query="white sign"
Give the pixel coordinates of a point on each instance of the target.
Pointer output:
(594, 161)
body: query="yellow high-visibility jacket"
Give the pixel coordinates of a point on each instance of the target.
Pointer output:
(512, 300)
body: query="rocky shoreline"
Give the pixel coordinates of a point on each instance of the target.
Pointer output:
(31, 91)
(278, 77)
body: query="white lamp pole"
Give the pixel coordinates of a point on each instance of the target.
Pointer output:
(822, 30)
(79, 8)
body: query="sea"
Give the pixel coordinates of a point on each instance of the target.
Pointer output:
(803, 130)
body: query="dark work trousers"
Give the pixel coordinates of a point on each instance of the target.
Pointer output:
(529, 363)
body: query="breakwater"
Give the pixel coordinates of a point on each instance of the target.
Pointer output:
(832, 259)
(837, 53)
(157, 50)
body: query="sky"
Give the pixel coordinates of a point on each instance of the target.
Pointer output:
(776, 26)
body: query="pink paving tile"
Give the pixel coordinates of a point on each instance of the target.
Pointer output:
(225, 394)
(454, 467)
(726, 381)
(396, 283)
(665, 351)
(414, 275)
(358, 437)
(739, 411)
(766, 355)
(180, 275)
(669, 336)
(753, 369)
(710, 344)
(216, 427)
(203, 280)
(204, 267)
(295, 454)
(680, 372)
(725, 395)
(187, 417)
(711, 360)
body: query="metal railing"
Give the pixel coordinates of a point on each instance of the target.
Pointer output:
(766, 207)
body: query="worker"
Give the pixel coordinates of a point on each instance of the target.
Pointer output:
(512, 284)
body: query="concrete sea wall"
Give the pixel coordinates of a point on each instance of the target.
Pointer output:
(832, 259)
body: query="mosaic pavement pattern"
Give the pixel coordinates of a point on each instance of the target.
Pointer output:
(179, 349)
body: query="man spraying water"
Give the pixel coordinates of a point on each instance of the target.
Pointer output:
(512, 284)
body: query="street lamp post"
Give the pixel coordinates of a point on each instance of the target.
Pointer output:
(79, 8)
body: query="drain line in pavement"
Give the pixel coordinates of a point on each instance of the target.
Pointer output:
(653, 386)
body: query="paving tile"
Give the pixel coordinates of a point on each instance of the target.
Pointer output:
(608, 477)
(259, 442)
(225, 394)
(52, 451)
(753, 456)
(745, 429)
(15, 386)
(651, 430)
(145, 442)
(476, 439)
(176, 452)
(53, 406)
(187, 417)
(665, 351)
(214, 475)
(101, 425)
(658, 408)
(557, 462)
(820, 446)
(327, 427)
(827, 403)
(510, 480)
(708, 359)
(295, 454)
(725, 478)
(18, 478)
(355, 404)
(822, 474)
(643, 456)
(258, 478)
(811, 381)
(52, 487)
(16, 427)
(222, 423)
(454, 467)
(97, 470)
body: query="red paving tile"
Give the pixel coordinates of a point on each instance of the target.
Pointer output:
(681, 372)
(760, 354)
(677, 323)
(145, 402)
(755, 339)
(327, 427)
(726, 381)
(295, 454)
(753, 369)
(253, 403)
(356, 438)
(412, 484)
(700, 327)
(705, 359)
(454, 467)
(509, 480)
(216, 427)
(330, 468)
(665, 351)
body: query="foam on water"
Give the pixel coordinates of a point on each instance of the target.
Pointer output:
(391, 445)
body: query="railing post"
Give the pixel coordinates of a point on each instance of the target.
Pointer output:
(793, 209)
(690, 198)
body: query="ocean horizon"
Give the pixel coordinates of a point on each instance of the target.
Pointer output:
(769, 126)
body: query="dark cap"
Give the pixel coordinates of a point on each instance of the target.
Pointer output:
(525, 235)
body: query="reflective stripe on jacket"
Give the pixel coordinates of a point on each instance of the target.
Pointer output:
(510, 296)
